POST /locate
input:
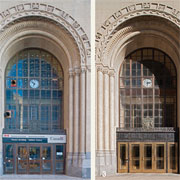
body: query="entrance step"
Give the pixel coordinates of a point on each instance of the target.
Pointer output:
(38, 177)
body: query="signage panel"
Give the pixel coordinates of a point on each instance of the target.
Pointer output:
(33, 138)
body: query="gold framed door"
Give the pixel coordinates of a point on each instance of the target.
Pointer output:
(172, 157)
(160, 157)
(147, 157)
(135, 152)
(122, 157)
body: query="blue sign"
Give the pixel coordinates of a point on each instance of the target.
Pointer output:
(25, 140)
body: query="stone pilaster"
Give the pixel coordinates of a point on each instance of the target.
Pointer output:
(111, 119)
(82, 111)
(100, 134)
(106, 109)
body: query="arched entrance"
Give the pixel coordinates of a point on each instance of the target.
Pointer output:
(147, 135)
(34, 136)
(126, 32)
(50, 30)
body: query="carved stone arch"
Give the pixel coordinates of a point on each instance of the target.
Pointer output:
(109, 27)
(53, 14)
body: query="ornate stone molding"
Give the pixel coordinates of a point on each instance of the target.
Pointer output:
(105, 69)
(61, 18)
(109, 27)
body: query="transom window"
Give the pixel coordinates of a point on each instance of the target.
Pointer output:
(147, 90)
(34, 92)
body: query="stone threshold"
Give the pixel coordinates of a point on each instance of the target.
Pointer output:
(37, 177)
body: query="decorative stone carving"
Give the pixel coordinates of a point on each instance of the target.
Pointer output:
(50, 13)
(106, 31)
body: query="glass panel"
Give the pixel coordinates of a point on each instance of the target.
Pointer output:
(160, 156)
(9, 163)
(59, 152)
(22, 159)
(147, 156)
(34, 159)
(59, 167)
(46, 153)
(123, 156)
(172, 152)
(135, 150)
(147, 79)
(34, 78)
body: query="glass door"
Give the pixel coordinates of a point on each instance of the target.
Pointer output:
(148, 157)
(135, 157)
(59, 159)
(160, 157)
(122, 157)
(172, 158)
(22, 159)
(46, 159)
(8, 158)
(34, 159)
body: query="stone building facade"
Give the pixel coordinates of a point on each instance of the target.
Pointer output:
(45, 87)
(137, 86)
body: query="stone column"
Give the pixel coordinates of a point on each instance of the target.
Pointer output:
(82, 111)
(106, 109)
(70, 132)
(100, 130)
(88, 110)
(111, 119)
(76, 111)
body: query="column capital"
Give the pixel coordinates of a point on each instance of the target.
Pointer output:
(77, 71)
(71, 73)
(99, 68)
(106, 71)
(83, 70)
(111, 73)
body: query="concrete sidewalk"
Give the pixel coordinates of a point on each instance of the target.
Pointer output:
(38, 177)
(141, 176)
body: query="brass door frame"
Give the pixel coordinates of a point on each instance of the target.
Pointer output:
(125, 170)
(131, 169)
(141, 158)
(176, 157)
(155, 158)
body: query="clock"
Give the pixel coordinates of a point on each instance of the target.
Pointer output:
(34, 83)
(147, 82)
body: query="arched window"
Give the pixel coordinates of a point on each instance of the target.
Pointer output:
(34, 93)
(147, 90)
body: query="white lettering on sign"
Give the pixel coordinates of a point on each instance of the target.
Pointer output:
(50, 138)
(57, 139)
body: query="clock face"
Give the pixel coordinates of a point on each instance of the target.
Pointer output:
(34, 83)
(147, 82)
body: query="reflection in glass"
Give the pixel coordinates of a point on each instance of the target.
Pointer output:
(59, 152)
(160, 156)
(143, 66)
(46, 159)
(148, 156)
(172, 149)
(34, 65)
(135, 150)
(123, 156)
(22, 159)
(9, 164)
(34, 159)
